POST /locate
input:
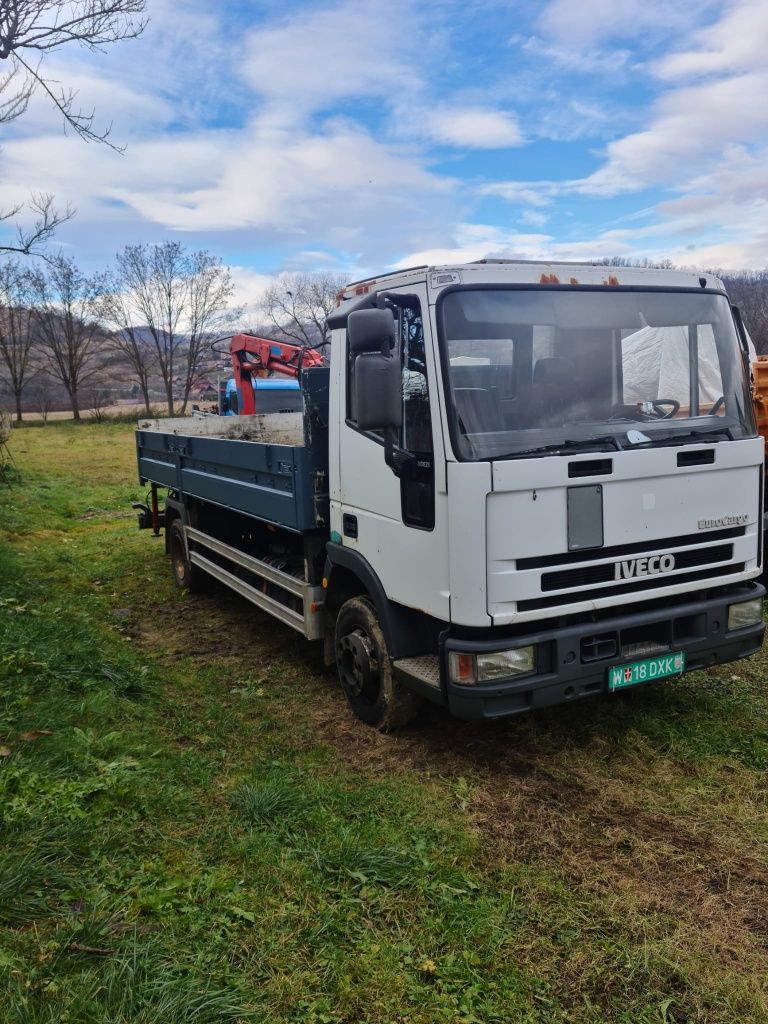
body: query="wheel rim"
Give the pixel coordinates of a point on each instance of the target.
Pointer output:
(357, 658)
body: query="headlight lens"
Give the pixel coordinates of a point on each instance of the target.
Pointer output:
(519, 661)
(468, 669)
(745, 613)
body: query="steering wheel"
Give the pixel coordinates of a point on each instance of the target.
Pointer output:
(717, 406)
(658, 407)
(650, 409)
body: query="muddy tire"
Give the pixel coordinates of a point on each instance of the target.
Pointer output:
(365, 669)
(187, 576)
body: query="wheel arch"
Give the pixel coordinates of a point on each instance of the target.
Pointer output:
(407, 631)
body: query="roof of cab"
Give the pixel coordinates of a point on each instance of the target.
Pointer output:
(544, 272)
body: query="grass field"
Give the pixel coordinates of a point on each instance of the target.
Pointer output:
(194, 829)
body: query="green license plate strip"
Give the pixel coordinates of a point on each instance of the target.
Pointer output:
(646, 671)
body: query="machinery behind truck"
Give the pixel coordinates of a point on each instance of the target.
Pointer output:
(515, 485)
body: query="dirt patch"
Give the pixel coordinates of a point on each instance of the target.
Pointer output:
(210, 626)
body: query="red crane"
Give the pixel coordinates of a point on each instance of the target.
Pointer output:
(261, 356)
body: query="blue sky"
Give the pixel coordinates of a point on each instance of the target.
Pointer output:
(359, 136)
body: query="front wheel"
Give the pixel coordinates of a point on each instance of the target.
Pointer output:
(365, 669)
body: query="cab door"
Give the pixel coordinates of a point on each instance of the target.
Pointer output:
(397, 521)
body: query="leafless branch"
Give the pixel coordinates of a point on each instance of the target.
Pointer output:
(38, 26)
(30, 239)
(297, 306)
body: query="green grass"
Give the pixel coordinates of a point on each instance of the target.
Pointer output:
(193, 828)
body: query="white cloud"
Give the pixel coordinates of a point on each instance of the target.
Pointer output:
(689, 125)
(472, 128)
(353, 50)
(292, 182)
(285, 188)
(703, 142)
(250, 287)
(534, 218)
(530, 193)
(576, 55)
(589, 21)
(131, 108)
(486, 241)
(738, 41)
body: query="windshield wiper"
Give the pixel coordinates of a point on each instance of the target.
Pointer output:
(566, 447)
(692, 437)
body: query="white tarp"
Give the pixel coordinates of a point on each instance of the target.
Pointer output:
(655, 363)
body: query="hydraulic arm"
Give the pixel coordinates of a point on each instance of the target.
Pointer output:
(260, 357)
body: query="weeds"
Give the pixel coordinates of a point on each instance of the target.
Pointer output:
(268, 804)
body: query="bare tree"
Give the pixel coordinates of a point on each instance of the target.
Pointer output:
(43, 393)
(98, 403)
(637, 261)
(6, 456)
(128, 338)
(297, 306)
(16, 330)
(748, 289)
(210, 289)
(181, 300)
(65, 317)
(30, 29)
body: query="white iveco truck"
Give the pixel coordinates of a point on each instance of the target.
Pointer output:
(517, 485)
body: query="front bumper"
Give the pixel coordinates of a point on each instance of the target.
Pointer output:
(573, 660)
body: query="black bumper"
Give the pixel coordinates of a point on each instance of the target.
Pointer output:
(573, 660)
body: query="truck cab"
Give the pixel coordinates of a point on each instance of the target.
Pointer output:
(569, 479)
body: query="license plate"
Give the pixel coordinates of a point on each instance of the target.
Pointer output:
(645, 671)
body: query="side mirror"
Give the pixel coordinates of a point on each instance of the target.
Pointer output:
(378, 392)
(371, 330)
(376, 369)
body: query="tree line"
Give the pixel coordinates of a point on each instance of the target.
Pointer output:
(147, 324)
(151, 314)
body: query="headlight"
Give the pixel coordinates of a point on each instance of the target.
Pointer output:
(745, 613)
(468, 669)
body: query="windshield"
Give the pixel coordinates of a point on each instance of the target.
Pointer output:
(533, 368)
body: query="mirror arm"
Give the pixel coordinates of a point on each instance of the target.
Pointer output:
(389, 448)
(396, 457)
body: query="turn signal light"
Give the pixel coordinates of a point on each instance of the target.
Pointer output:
(468, 669)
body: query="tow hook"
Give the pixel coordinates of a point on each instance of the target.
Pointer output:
(145, 515)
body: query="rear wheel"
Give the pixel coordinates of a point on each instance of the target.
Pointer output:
(187, 576)
(365, 669)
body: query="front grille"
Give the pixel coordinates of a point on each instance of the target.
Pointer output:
(626, 550)
(583, 577)
(631, 587)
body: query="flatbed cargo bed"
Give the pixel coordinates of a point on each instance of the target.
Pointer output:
(271, 467)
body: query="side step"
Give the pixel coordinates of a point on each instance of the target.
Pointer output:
(308, 621)
(422, 673)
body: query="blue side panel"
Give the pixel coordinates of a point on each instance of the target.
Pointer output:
(282, 484)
